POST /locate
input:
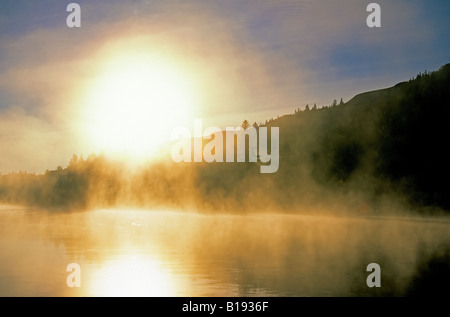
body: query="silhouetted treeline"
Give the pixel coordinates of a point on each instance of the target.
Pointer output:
(382, 150)
(71, 187)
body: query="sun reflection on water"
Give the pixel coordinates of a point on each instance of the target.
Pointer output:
(132, 275)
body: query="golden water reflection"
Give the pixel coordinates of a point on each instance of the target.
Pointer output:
(161, 253)
(132, 275)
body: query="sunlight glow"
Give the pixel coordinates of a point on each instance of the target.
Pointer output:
(135, 102)
(133, 276)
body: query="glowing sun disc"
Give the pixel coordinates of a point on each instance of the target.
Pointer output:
(135, 103)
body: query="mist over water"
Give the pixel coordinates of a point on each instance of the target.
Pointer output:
(169, 253)
(88, 175)
(348, 192)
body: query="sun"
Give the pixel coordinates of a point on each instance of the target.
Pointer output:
(134, 103)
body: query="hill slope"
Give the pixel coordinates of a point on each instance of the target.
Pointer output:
(382, 150)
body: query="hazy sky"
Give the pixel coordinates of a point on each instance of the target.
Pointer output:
(249, 59)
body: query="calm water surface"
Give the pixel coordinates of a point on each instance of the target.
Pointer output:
(160, 253)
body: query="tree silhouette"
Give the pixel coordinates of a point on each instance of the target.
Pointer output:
(245, 125)
(73, 162)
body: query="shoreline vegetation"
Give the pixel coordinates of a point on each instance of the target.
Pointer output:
(383, 152)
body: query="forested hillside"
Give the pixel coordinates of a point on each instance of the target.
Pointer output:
(381, 150)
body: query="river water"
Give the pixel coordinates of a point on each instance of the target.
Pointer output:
(124, 252)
